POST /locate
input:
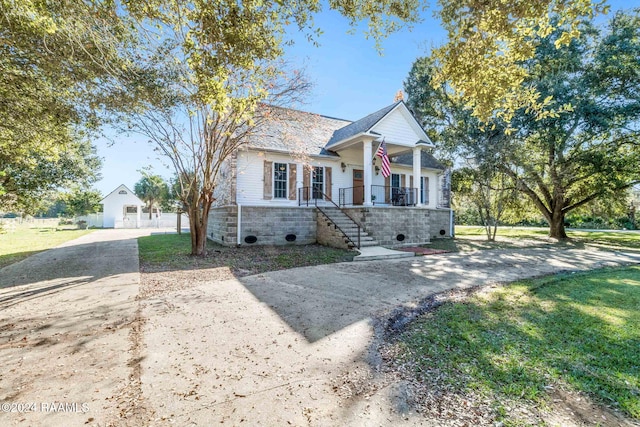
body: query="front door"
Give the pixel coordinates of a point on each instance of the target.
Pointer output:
(358, 187)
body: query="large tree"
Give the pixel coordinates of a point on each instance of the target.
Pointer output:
(590, 151)
(478, 180)
(565, 161)
(81, 201)
(29, 173)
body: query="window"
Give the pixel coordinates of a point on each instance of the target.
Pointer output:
(395, 180)
(424, 190)
(395, 185)
(279, 180)
(395, 189)
(317, 182)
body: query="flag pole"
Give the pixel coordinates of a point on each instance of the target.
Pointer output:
(375, 153)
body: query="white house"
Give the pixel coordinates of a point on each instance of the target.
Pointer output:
(309, 178)
(121, 209)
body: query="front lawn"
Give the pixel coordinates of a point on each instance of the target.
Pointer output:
(18, 244)
(469, 238)
(516, 345)
(171, 252)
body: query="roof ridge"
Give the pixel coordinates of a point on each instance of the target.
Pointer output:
(363, 124)
(310, 113)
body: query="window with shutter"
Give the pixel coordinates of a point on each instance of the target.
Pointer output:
(317, 182)
(280, 182)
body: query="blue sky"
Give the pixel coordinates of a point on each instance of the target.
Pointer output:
(351, 79)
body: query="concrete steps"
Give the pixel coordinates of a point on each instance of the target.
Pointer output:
(336, 217)
(370, 249)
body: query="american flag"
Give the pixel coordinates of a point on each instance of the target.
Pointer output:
(382, 153)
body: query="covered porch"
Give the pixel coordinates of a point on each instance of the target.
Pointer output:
(415, 178)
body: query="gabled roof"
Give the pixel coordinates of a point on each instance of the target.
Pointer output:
(297, 132)
(362, 125)
(122, 186)
(426, 160)
(300, 132)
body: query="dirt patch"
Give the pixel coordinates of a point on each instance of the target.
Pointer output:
(570, 408)
(160, 283)
(243, 261)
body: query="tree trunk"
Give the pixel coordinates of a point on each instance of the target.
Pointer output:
(198, 221)
(556, 225)
(199, 244)
(494, 231)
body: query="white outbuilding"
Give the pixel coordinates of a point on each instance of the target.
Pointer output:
(121, 209)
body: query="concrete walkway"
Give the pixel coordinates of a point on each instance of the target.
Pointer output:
(374, 253)
(65, 320)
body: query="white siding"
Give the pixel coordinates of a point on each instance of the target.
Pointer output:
(113, 205)
(250, 176)
(250, 181)
(397, 130)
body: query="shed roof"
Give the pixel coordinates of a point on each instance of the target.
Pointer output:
(130, 193)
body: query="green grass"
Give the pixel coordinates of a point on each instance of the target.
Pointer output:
(577, 330)
(470, 238)
(464, 230)
(171, 252)
(18, 244)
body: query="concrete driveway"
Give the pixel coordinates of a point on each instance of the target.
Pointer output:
(292, 347)
(66, 317)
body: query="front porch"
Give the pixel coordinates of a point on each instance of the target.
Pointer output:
(381, 196)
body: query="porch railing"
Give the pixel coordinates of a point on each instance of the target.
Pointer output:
(312, 195)
(309, 195)
(351, 196)
(394, 196)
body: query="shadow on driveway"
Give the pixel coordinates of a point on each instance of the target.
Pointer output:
(318, 301)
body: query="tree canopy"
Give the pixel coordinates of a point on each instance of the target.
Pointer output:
(565, 160)
(488, 43)
(152, 189)
(59, 61)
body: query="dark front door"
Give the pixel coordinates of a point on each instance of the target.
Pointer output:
(358, 187)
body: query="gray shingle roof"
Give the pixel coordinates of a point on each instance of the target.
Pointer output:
(426, 160)
(362, 125)
(296, 131)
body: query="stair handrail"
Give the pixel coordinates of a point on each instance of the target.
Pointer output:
(332, 221)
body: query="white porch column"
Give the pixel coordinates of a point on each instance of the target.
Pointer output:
(138, 211)
(367, 152)
(417, 163)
